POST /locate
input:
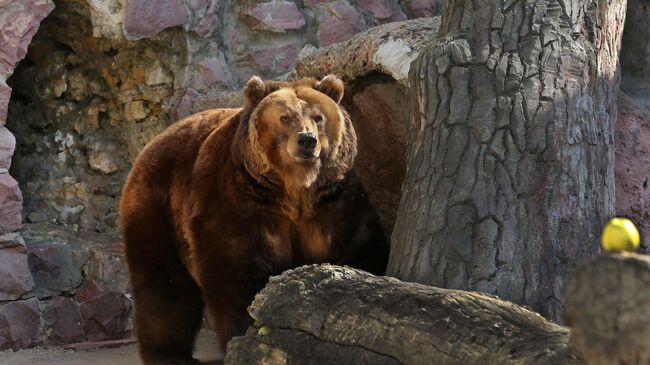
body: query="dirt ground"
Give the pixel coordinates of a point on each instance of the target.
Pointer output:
(127, 355)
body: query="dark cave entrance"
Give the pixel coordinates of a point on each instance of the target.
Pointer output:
(81, 109)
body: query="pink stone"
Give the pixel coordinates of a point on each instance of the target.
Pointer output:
(18, 24)
(105, 312)
(207, 24)
(206, 18)
(209, 71)
(7, 146)
(382, 9)
(53, 267)
(5, 95)
(337, 23)
(632, 168)
(11, 202)
(145, 18)
(422, 8)
(17, 281)
(276, 59)
(19, 324)
(88, 290)
(277, 16)
(185, 105)
(63, 321)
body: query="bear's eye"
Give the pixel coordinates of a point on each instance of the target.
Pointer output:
(318, 118)
(284, 119)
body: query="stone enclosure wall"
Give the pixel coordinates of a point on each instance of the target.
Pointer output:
(85, 84)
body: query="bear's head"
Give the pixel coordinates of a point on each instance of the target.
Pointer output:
(296, 132)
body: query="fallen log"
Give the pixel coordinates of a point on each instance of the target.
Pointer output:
(323, 314)
(607, 302)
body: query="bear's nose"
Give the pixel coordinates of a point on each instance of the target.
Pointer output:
(307, 141)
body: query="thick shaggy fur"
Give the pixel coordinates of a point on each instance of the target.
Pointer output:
(216, 204)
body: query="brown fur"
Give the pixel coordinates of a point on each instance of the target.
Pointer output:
(217, 203)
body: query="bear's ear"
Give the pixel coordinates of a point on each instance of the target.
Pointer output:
(331, 86)
(255, 90)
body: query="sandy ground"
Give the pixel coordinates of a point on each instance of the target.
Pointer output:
(127, 355)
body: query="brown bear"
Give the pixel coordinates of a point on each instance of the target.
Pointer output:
(225, 198)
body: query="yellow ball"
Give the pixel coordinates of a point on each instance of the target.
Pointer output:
(263, 331)
(620, 234)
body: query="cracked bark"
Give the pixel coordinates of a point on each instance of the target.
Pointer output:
(510, 160)
(324, 314)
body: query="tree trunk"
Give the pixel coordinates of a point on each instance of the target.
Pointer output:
(608, 309)
(327, 315)
(510, 161)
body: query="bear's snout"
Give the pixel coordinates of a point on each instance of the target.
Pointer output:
(306, 144)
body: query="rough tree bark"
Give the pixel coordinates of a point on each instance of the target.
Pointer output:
(334, 315)
(510, 162)
(608, 309)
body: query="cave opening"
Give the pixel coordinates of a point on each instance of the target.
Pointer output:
(81, 109)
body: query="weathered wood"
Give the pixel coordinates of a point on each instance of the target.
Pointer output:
(608, 309)
(324, 314)
(387, 49)
(510, 159)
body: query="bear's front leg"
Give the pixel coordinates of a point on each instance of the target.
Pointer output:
(233, 262)
(227, 295)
